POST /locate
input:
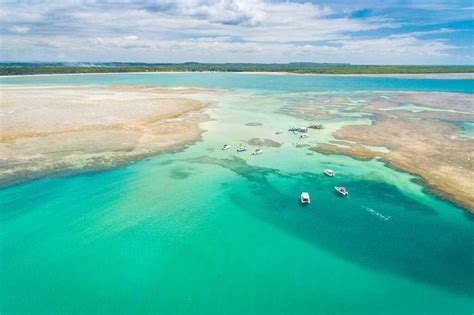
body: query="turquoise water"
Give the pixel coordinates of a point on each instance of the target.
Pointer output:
(215, 232)
(293, 83)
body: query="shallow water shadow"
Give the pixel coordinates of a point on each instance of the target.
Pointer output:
(181, 173)
(414, 242)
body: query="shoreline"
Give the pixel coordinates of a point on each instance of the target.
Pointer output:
(439, 76)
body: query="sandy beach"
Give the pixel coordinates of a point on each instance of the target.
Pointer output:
(49, 131)
(443, 76)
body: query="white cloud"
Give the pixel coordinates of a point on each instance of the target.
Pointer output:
(130, 37)
(208, 31)
(434, 32)
(389, 50)
(19, 29)
(228, 12)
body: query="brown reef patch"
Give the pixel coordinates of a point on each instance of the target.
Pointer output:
(263, 143)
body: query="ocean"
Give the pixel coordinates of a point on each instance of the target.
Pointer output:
(207, 231)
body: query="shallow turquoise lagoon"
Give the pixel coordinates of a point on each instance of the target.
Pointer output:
(216, 232)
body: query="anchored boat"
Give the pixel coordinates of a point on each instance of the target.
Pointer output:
(225, 147)
(257, 152)
(329, 173)
(305, 198)
(241, 148)
(342, 191)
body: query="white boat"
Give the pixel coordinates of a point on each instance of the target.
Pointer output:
(329, 173)
(225, 147)
(303, 136)
(241, 149)
(305, 198)
(342, 191)
(257, 152)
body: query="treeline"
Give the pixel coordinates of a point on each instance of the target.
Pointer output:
(32, 68)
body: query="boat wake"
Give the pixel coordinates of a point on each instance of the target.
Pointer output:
(377, 214)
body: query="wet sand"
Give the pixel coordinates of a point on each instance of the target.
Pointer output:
(53, 130)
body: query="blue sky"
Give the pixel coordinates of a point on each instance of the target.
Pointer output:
(357, 32)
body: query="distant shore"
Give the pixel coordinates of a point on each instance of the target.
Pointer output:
(441, 76)
(306, 68)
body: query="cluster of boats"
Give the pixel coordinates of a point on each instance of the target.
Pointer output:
(242, 148)
(295, 130)
(305, 198)
(316, 126)
(304, 130)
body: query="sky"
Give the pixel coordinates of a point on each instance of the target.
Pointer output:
(258, 31)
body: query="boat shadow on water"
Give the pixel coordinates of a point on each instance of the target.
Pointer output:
(408, 238)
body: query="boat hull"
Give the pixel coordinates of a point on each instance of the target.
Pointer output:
(342, 191)
(305, 199)
(329, 173)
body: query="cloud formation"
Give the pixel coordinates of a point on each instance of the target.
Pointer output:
(225, 31)
(19, 29)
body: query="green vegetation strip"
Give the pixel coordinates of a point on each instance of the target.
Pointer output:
(24, 69)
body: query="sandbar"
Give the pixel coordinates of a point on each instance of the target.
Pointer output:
(54, 130)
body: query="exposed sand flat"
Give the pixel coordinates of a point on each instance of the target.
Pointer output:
(453, 106)
(314, 107)
(421, 142)
(54, 130)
